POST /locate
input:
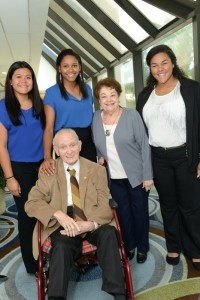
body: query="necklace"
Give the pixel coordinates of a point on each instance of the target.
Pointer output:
(108, 131)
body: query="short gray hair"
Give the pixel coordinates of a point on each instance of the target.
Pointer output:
(64, 130)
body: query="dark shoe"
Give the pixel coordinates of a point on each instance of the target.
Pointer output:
(172, 260)
(196, 265)
(130, 254)
(33, 273)
(119, 297)
(3, 278)
(141, 258)
(56, 298)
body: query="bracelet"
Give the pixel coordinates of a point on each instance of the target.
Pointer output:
(9, 177)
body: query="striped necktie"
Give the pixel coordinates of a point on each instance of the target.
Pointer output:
(77, 208)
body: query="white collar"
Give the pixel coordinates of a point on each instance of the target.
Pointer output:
(76, 166)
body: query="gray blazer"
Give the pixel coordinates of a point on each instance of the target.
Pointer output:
(131, 144)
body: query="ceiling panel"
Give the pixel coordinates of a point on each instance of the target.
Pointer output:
(22, 29)
(90, 27)
(101, 31)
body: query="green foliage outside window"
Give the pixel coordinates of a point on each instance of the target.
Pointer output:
(130, 94)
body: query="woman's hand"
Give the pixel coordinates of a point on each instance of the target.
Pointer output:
(14, 187)
(47, 166)
(102, 162)
(198, 170)
(147, 184)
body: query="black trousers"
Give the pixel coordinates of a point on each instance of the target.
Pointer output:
(179, 194)
(133, 214)
(66, 249)
(88, 149)
(26, 174)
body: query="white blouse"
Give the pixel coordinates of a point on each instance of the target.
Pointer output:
(164, 117)
(115, 166)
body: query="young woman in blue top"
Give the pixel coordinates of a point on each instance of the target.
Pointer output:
(22, 121)
(68, 104)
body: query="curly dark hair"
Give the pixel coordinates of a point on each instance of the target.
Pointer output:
(12, 103)
(108, 82)
(177, 72)
(79, 79)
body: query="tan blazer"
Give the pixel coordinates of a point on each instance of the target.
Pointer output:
(50, 194)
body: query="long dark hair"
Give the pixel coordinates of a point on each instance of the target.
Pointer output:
(79, 78)
(177, 72)
(12, 103)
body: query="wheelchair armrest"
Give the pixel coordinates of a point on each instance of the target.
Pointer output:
(112, 203)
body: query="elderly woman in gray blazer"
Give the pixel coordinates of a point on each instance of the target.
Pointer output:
(121, 141)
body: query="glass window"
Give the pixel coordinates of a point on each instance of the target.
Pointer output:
(124, 74)
(119, 16)
(179, 40)
(102, 76)
(78, 28)
(89, 81)
(79, 9)
(156, 16)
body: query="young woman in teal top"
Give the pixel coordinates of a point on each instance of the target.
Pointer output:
(68, 104)
(21, 149)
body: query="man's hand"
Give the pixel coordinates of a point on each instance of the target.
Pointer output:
(84, 226)
(71, 228)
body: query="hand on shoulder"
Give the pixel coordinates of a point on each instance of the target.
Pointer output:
(47, 167)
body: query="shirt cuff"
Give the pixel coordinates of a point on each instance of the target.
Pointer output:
(95, 225)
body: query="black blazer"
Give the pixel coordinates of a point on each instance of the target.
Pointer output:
(190, 91)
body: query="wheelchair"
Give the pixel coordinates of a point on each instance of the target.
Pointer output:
(88, 253)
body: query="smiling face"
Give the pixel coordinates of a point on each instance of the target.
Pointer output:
(108, 99)
(67, 146)
(22, 81)
(161, 68)
(69, 68)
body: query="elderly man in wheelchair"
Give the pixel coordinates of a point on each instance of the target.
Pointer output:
(51, 201)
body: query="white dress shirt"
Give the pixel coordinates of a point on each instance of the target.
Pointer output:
(76, 167)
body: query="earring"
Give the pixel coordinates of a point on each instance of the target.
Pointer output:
(81, 76)
(60, 77)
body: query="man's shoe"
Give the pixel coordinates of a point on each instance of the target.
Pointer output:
(173, 260)
(141, 258)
